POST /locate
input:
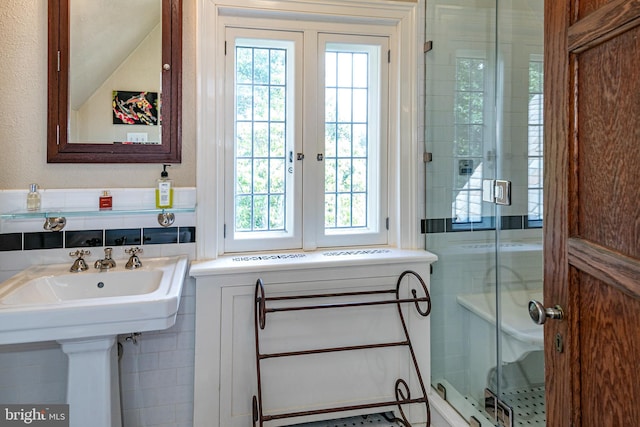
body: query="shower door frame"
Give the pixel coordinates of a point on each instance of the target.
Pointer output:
(498, 214)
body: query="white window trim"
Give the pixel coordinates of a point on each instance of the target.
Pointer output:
(404, 154)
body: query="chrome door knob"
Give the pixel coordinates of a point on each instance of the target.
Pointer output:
(539, 314)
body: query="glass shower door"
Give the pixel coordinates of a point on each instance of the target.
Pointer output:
(460, 132)
(518, 380)
(483, 105)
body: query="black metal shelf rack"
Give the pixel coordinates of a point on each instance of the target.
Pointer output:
(402, 391)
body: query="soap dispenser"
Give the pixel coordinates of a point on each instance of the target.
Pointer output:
(33, 198)
(164, 190)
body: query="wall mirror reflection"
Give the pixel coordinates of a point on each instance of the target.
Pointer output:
(114, 81)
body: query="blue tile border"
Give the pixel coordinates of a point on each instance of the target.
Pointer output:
(96, 238)
(83, 238)
(43, 240)
(159, 236)
(507, 222)
(11, 242)
(123, 237)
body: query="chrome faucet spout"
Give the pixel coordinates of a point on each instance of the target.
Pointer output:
(107, 262)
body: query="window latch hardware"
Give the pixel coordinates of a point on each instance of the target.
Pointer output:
(300, 156)
(320, 157)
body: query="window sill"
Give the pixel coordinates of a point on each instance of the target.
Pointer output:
(279, 261)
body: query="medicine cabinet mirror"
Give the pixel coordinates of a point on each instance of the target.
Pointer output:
(115, 81)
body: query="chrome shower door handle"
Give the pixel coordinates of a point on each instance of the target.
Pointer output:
(539, 314)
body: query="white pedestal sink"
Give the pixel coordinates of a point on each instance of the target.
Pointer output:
(85, 312)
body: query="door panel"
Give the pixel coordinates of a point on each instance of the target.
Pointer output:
(609, 335)
(592, 215)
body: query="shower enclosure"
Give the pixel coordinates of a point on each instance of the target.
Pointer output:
(483, 131)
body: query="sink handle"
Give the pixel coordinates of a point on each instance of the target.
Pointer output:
(133, 251)
(79, 264)
(134, 262)
(79, 253)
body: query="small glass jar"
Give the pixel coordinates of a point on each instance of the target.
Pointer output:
(33, 198)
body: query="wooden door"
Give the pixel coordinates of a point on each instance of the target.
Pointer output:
(592, 211)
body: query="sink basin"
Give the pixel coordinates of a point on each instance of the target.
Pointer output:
(47, 302)
(74, 286)
(85, 312)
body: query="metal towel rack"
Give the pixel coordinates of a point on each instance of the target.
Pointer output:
(402, 391)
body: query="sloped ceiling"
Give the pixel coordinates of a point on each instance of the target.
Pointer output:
(103, 34)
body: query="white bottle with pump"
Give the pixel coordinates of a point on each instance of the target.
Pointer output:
(164, 190)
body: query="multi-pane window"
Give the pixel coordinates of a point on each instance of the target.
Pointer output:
(535, 142)
(260, 141)
(469, 121)
(273, 142)
(346, 138)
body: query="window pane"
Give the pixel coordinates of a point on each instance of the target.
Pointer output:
(244, 65)
(260, 176)
(347, 135)
(260, 103)
(344, 69)
(276, 140)
(277, 212)
(276, 176)
(360, 71)
(468, 142)
(278, 67)
(260, 212)
(244, 102)
(359, 216)
(330, 211)
(330, 68)
(330, 185)
(244, 140)
(243, 213)
(360, 105)
(261, 137)
(244, 171)
(344, 140)
(277, 103)
(360, 140)
(344, 105)
(344, 175)
(535, 139)
(330, 131)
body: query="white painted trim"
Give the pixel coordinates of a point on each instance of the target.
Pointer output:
(444, 411)
(403, 189)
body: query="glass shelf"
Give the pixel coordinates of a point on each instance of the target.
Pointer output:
(89, 212)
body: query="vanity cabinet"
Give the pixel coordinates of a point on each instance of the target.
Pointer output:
(225, 359)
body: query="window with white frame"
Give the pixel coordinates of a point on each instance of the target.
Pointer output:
(535, 141)
(308, 147)
(468, 144)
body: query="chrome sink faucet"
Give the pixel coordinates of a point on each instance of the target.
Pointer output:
(134, 262)
(107, 262)
(79, 264)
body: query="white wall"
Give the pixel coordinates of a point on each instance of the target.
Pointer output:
(23, 107)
